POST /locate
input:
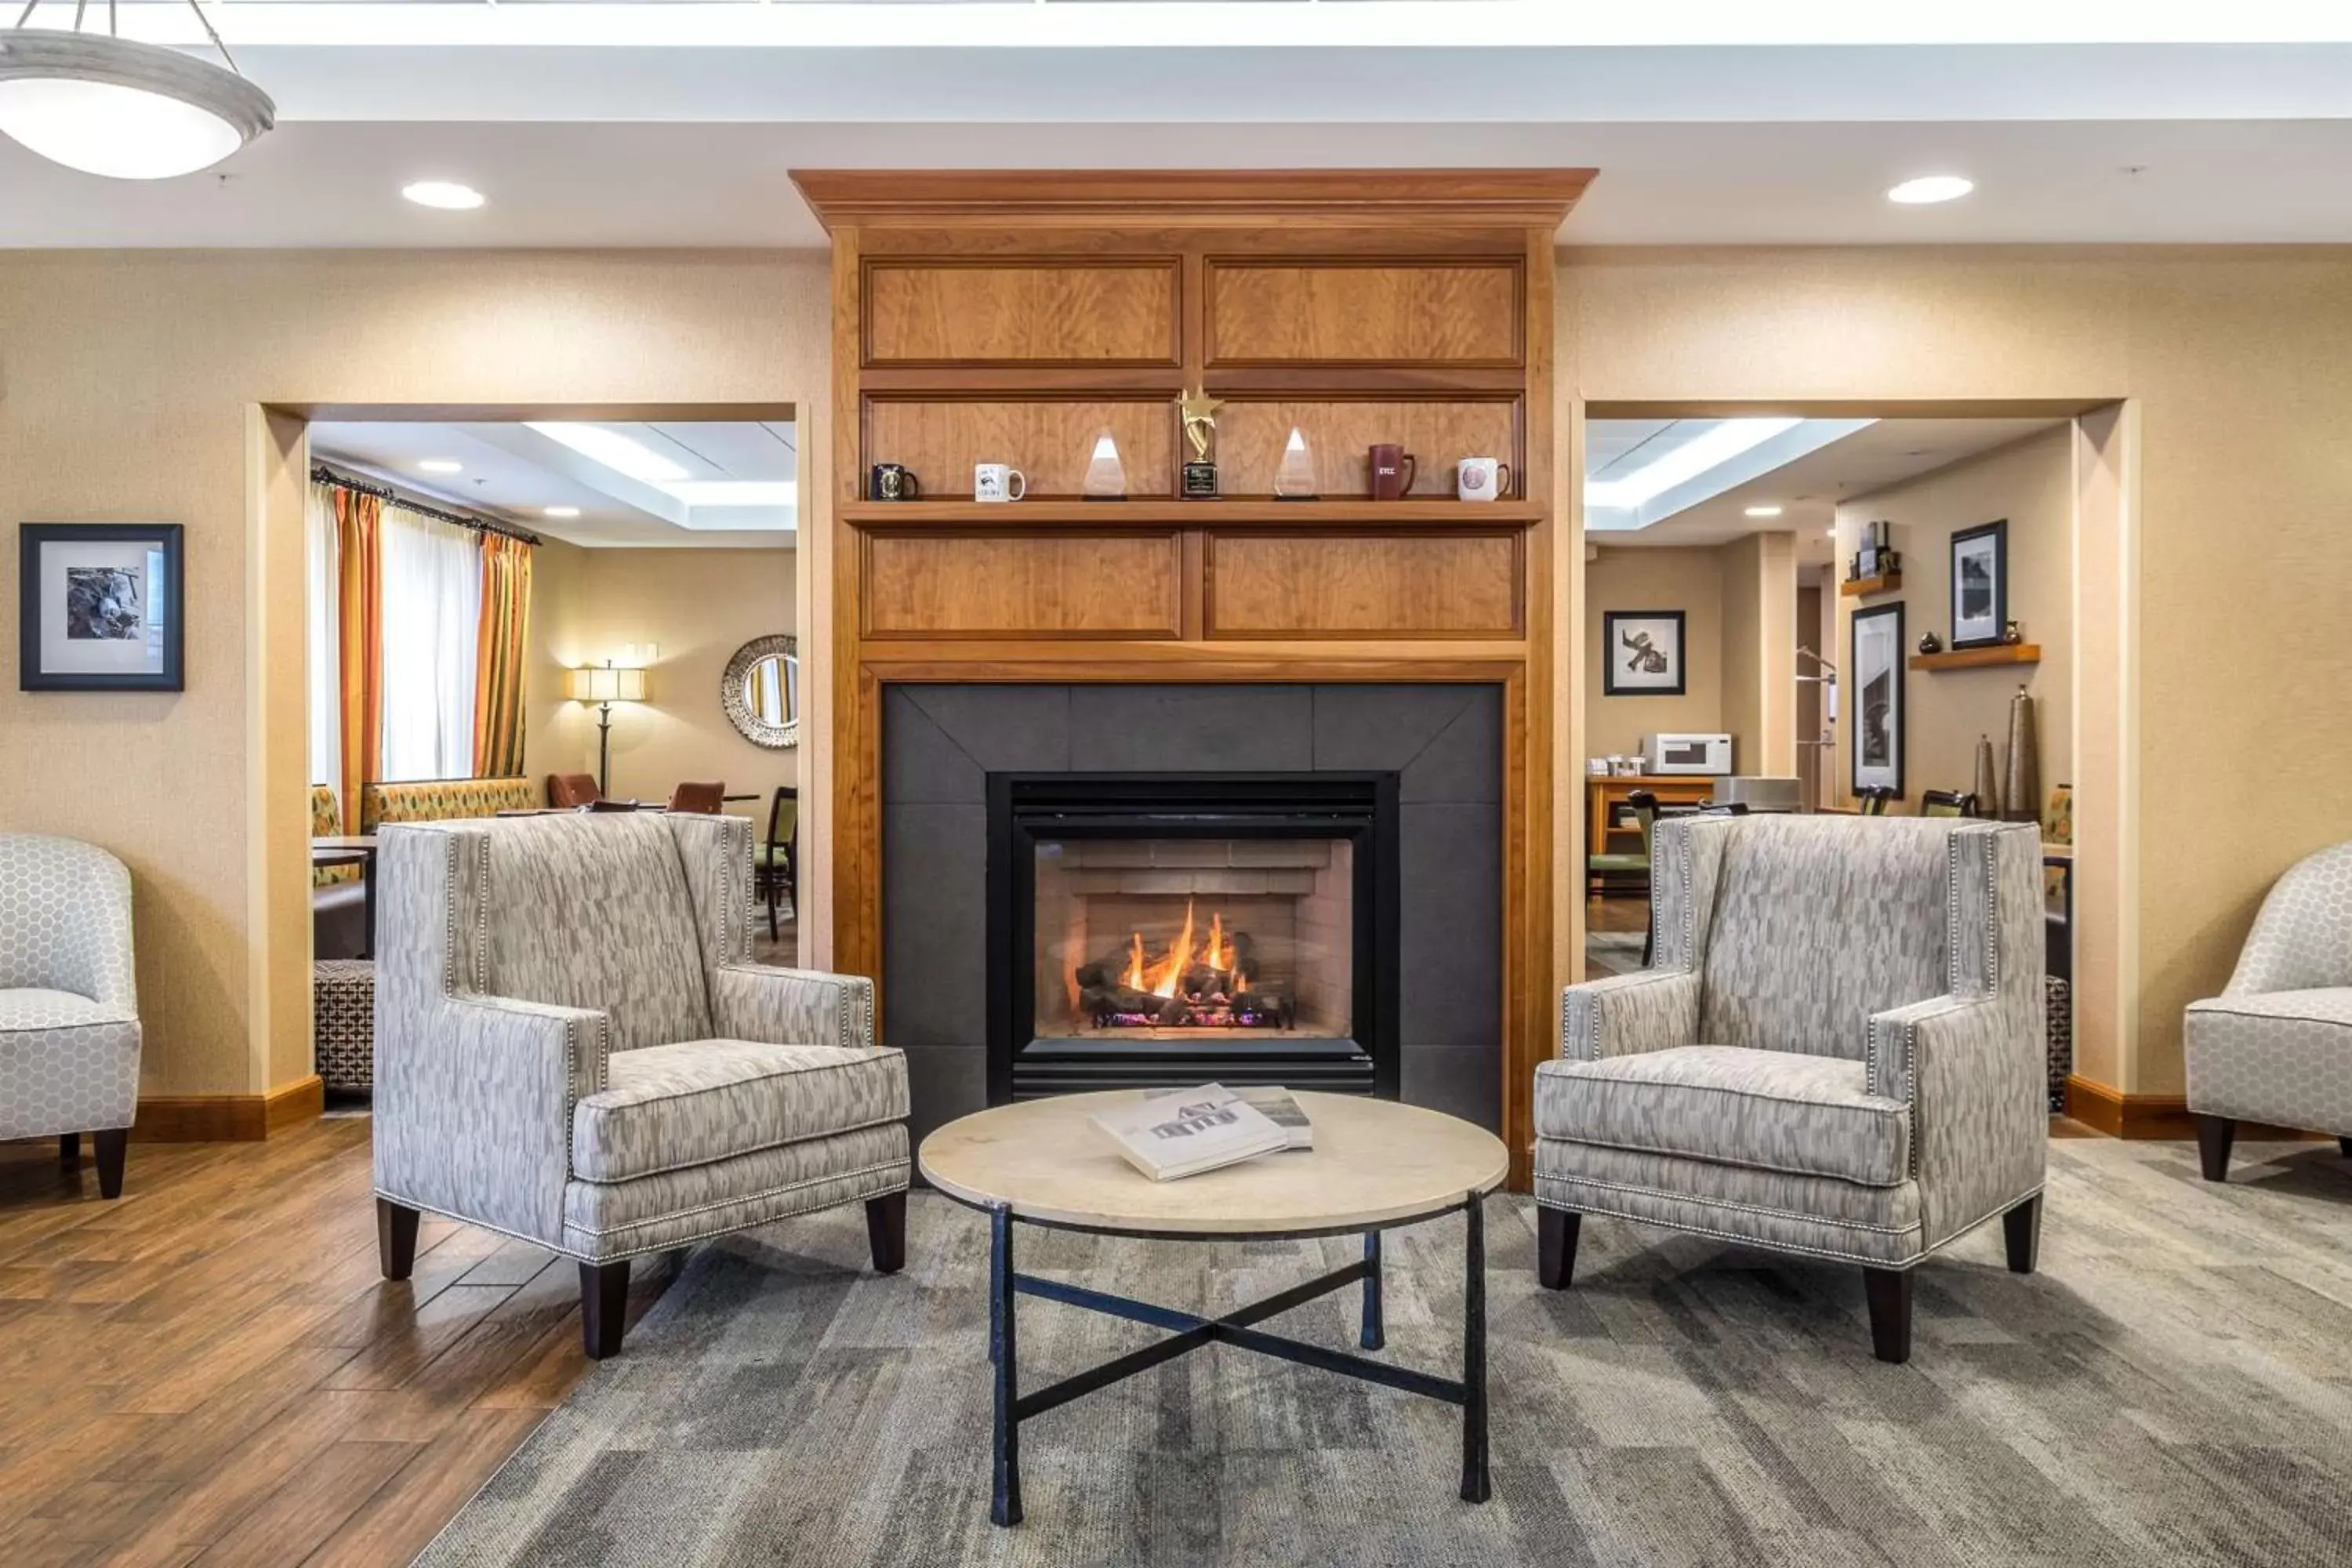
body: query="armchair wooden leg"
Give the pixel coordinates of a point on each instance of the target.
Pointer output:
(885, 1232)
(2020, 1230)
(1889, 1291)
(1555, 1234)
(395, 1238)
(2344, 1144)
(69, 1148)
(2214, 1136)
(111, 1144)
(604, 1307)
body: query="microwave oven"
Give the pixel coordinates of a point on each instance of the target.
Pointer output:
(1701, 754)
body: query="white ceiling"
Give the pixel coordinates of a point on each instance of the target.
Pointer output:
(676, 124)
(514, 473)
(1809, 490)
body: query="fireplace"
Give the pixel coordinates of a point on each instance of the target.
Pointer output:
(1167, 928)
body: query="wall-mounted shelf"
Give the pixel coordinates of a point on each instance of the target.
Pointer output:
(1159, 511)
(1979, 657)
(1863, 587)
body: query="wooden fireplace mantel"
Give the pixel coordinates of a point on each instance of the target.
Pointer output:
(1015, 317)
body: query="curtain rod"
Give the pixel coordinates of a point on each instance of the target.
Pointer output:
(324, 475)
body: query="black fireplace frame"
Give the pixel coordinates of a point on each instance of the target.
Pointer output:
(1360, 808)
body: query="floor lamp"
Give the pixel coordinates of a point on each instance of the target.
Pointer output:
(603, 685)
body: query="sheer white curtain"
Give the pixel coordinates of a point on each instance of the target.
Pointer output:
(432, 619)
(325, 554)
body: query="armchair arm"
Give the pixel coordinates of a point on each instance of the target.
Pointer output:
(1974, 1071)
(1627, 1014)
(473, 1106)
(793, 1006)
(1899, 1036)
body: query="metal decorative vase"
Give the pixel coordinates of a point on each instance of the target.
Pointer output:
(1988, 782)
(2022, 788)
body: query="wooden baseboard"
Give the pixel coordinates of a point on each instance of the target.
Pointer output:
(2121, 1115)
(229, 1118)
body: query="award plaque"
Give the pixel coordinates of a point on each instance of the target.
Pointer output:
(1200, 413)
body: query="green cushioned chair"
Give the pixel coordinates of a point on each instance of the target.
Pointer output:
(1946, 803)
(1644, 806)
(776, 864)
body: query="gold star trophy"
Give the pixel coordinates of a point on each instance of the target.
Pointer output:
(1200, 412)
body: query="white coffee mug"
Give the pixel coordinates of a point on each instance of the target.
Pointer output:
(1481, 478)
(998, 481)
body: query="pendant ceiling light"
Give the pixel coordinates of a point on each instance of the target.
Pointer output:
(107, 105)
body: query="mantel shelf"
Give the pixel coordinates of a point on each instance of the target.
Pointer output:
(1863, 587)
(1980, 658)
(1160, 511)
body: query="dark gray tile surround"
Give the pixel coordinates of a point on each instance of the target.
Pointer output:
(1445, 743)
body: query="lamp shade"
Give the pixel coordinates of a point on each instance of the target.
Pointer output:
(603, 683)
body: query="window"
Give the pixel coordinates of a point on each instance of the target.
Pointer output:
(432, 625)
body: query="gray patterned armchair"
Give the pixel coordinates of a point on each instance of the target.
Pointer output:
(68, 1003)
(572, 1047)
(1837, 1051)
(2276, 1045)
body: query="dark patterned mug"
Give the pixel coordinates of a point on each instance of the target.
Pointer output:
(894, 481)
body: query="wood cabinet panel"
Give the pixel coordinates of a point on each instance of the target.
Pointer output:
(1043, 313)
(1339, 434)
(1344, 312)
(1059, 584)
(1050, 442)
(1453, 583)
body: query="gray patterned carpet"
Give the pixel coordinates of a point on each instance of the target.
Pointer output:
(2175, 1387)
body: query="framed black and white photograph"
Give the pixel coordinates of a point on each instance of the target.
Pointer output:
(1876, 661)
(99, 606)
(1980, 585)
(1643, 653)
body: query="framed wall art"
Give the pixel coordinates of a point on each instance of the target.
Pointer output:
(1643, 653)
(1876, 661)
(1980, 585)
(100, 606)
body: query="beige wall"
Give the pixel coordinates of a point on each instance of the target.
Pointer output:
(2031, 483)
(127, 380)
(1738, 600)
(696, 606)
(1653, 578)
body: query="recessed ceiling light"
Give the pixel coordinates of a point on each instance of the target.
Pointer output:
(1720, 444)
(440, 465)
(446, 195)
(1763, 511)
(564, 512)
(1928, 189)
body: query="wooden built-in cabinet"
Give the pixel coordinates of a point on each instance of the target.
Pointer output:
(1016, 318)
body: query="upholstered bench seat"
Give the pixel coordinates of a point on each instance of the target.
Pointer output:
(670, 1107)
(2281, 1056)
(1772, 1110)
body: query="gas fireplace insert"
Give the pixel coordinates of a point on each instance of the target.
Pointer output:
(1169, 929)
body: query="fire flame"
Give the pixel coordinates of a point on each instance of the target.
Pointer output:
(1161, 978)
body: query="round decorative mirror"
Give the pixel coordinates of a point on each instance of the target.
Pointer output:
(761, 692)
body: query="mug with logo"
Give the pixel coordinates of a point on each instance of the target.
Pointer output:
(1481, 478)
(1393, 471)
(894, 481)
(998, 481)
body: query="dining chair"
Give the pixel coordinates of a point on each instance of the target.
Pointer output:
(704, 798)
(1946, 803)
(1872, 799)
(571, 791)
(775, 863)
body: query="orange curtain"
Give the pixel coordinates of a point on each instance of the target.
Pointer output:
(359, 525)
(505, 641)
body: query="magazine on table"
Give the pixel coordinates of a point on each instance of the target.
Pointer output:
(1191, 1131)
(1280, 1106)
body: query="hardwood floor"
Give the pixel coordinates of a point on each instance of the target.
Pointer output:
(209, 1369)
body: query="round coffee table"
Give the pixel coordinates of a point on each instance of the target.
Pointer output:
(1375, 1165)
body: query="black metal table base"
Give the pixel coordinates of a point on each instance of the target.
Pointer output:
(1190, 1332)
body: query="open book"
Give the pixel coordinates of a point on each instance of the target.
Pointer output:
(1191, 1131)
